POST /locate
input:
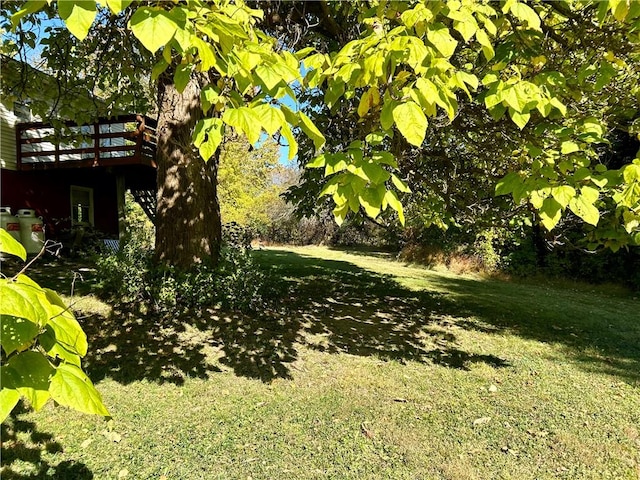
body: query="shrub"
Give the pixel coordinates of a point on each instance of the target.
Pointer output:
(132, 276)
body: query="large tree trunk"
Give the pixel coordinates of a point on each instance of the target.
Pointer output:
(188, 228)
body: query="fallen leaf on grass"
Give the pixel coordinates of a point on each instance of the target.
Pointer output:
(86, 443)
(493, 389)
(481, 421)
(112, 436)
(366, 431)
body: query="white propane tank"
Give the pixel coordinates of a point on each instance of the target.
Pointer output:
(31, 230)
(10, 222)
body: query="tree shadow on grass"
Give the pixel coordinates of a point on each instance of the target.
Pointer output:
(128, 345)
(23, 450)
(338, 307)
(330, 306)
(601, 336)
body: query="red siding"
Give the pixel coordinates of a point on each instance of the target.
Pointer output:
(48, 193)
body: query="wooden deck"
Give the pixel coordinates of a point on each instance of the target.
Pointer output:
(123, 140)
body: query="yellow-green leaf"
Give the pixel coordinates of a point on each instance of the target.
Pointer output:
(585, 210)
(72, 388)
(245, 120)
(116, 6)
(10, 245)
(17, 333)
(440, 38)
(29, 373)
(526, 14)
(563, 194)
(569, 147)
(153, 27)
(394, 202)
(550, 213)
(8, 399)
(78, 15)
(311, 130)
(520, 119)
(271, 118)
(411, 121)
(288, 135)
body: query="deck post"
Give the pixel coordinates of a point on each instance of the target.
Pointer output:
(96, 144)
(122, 215)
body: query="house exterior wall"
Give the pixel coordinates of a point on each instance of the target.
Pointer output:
(8, 150)
(49, 194)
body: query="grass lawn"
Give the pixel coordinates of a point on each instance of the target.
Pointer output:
(367, 369)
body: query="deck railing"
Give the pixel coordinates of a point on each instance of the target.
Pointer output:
(123, 140)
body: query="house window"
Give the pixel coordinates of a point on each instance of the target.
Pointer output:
(82, 205)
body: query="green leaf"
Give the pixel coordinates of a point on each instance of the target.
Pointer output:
(182, 76)
(208, 136)
(29, 373)
(159, 68)
(371, 200)
(526, 14)
(17, 333)
(563, 194)
(67, 332)
(585, 210)
(153, 26)
(246, 120)
(78, 15)
(269, 77)
(72, 388)
(439, 36)
(8, 399)
(508, 184)
(271, 118)
(386, 115)
(24, 301)
(116, 6)
(10, 245)
(569, 147)
(550, 213)
(394, 202)
(340, 213)
(411, 121)
(375, 173)
(311, 130)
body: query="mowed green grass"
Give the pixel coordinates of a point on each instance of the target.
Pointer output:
(367, 368)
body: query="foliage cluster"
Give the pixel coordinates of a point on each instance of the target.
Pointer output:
(250, 182)
(554, 77)
(133, 276)
(42, 346)
(520, 251)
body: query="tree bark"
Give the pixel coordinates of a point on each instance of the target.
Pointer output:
(188, 228)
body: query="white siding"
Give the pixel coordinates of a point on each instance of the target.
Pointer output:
(7, 137)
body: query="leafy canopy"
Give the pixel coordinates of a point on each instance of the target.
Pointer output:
(411, 65)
